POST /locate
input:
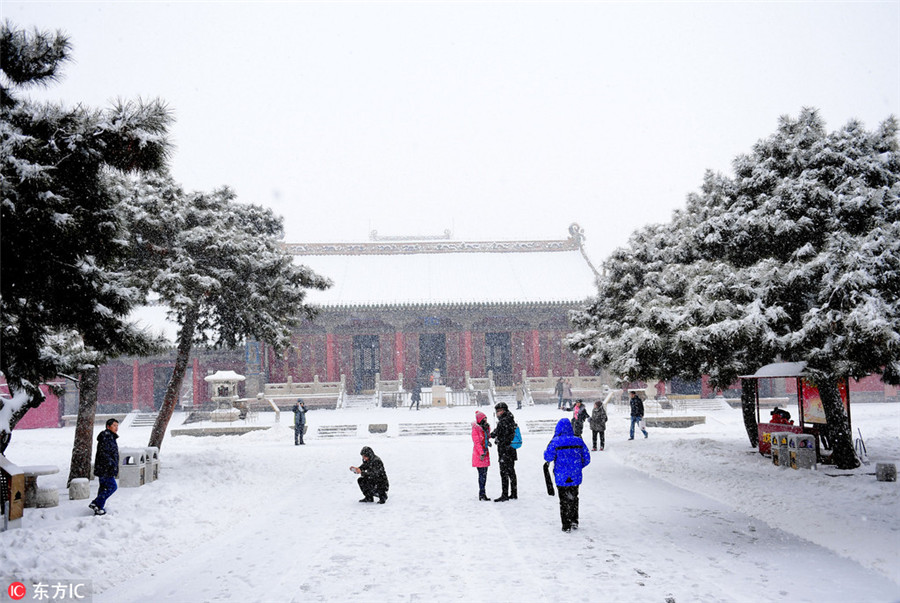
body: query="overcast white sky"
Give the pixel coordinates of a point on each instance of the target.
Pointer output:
(494, 120)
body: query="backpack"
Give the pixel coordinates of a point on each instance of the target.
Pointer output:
(517, 439)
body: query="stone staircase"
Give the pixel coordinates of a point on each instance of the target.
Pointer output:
(700, 404)
(359, 401)
(542, 425)
(506, 396)
(418, 429)
(144, 419)
(327, 432)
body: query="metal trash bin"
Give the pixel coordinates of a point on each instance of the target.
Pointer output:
(802, 451)
(780, 456)
(152, 470)
(132, 467)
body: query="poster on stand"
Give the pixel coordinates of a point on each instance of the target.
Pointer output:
(813, 411)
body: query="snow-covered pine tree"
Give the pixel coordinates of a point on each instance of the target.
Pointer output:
(797, 257)
(219, 267)
(61, 239)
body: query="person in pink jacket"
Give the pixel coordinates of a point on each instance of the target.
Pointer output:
(481, 455)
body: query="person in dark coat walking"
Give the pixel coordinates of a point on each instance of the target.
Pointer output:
(637, 414)
(569, 455)
(579, 416)
(507, 455)
(416, 396)
(373, 480)
(598, 424)
(558, 390)
(106, 466)
(299, 422)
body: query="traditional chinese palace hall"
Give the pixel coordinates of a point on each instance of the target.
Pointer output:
(410, 306)
(398, 305)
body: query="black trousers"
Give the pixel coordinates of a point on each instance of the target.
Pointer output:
(602, 435)
(568, 506)
(371, 488)
(298, 434)
(508, 480)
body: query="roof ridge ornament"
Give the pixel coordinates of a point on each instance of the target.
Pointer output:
(576, 233)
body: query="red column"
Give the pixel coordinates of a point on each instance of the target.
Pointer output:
(329, 357)
(535, 353)
(135, 384)
(467, 352)
(197, 384)
(399, 356)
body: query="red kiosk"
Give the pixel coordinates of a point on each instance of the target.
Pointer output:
(811, 413)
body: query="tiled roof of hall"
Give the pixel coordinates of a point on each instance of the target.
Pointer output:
(440, 272)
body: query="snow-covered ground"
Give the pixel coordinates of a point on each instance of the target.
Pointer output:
(686, 515)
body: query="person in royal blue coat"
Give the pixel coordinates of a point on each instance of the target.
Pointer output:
(569, 455)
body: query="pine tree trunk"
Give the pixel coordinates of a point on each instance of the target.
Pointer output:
(84, 428)
(185, 339)
(843, 454)
(748, 408)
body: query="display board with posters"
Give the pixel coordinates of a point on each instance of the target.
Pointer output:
(813, 411)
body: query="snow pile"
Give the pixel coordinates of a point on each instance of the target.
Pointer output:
(686, 515)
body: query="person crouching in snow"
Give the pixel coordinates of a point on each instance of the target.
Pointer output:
(569, 455)
(481, 455)
(373, 479)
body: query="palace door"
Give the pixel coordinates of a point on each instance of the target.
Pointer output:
(498, 358)
(432, 355)
(366, 363)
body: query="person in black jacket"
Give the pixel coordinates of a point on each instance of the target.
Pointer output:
(299, 422)
(106, 465)
(504, 434)
(373, 479)
(416, 396)
(637, 413)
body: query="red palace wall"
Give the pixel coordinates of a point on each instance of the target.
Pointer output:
(48, 414)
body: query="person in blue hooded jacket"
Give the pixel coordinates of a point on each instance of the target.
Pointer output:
(569, 455)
